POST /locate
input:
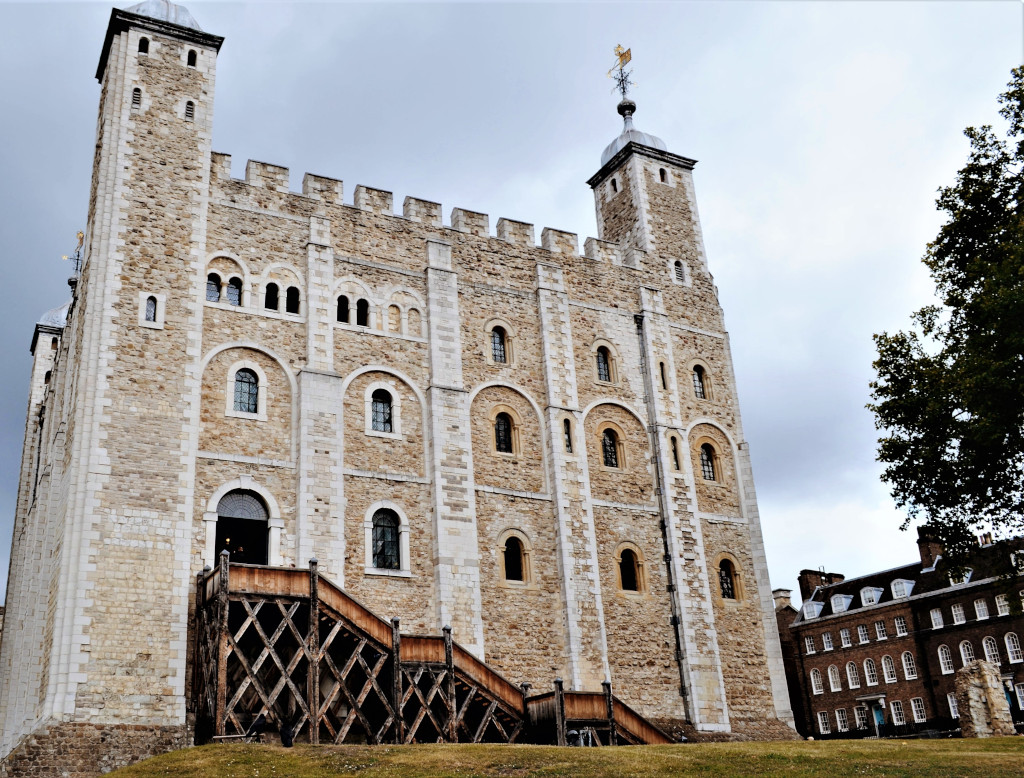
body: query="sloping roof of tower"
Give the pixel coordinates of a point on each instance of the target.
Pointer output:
(55, 317)
(166, 11)
(631, 135)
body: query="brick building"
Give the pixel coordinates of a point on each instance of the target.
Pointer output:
(878, 653)
(451, 421)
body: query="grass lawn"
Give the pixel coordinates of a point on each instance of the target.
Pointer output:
(933, 758)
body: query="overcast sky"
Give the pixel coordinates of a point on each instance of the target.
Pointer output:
(822, 130)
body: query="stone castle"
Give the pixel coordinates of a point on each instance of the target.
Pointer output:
(453, 423)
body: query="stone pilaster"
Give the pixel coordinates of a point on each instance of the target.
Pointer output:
(456, 552)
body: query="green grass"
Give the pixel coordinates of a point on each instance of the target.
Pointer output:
(932, 758)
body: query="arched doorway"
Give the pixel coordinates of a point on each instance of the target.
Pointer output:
(242, 528)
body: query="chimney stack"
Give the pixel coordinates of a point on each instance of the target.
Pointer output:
(810, 580)
(782, 598)
(930, 548)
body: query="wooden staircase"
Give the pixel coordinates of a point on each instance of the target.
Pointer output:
(292, 646)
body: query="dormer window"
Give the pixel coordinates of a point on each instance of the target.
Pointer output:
(902, 588)
(812, 609)
(869, 595)
(955, 580)
(841, 602)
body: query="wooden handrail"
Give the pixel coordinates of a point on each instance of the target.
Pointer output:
(585, 705)
(642, 729)
(490, 679)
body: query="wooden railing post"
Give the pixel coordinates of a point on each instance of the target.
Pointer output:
(197, 671)
(453, 708)
(559, 712)
(396, 681)
(220, 715)
(313, 654)
(613, 735)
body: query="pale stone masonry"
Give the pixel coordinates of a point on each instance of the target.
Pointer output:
(135, 439)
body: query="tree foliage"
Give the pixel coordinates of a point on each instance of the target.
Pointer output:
(949, 397)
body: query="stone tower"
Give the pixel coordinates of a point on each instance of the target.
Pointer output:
(537, 447)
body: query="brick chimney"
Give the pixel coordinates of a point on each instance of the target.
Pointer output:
(929, 547)
(809, 580)
(782, 598)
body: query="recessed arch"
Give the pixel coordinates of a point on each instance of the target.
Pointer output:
(404, 559)
(630, 567)
(726, 563)
(275, 524)
(406, 382)
(514, 557)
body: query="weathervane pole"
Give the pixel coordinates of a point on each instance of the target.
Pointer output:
(620, 75)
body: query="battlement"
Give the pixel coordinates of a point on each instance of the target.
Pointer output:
(330, 191)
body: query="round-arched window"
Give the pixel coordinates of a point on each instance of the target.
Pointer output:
(514, 560)
(386, 554)
(242, 527)
(629, 571)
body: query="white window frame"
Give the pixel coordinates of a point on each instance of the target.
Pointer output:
(842, 721)
(826, 641)
(936, 616)
(880, 633)
(901, 588)
(870, 672)
(869, 595)
(841, 602)
(835, 680)
(1002, 605)
(844, 637)
(953, 581)
(990, 648)
(966, 644)
(900, 623)
(396, 411)
(817, 686)
(809, 644)
(1013, 650)
(954, 709)
(860, 717)
(811, 608)
(824, 725)
(161, 300)
(981, 609)
(909, 666)
(262, 389)
(959, 617)
(896, 709)
(1019, 688)
(946, 660)
(403, 570)
(917, 710)
(889, 669)
(852, 675)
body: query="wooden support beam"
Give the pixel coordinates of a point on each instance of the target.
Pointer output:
(452, 735)
(613, 739)
(396, 680)
(220, 716)
(313, 654)
(559, 712)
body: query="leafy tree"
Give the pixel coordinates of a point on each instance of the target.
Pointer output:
(949, 396)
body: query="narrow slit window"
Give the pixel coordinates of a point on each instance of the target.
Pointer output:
(567, 427)
(610, 448)
(664, 381)
(663, 175)
(629, 571)
(707, 462)
(498, 350)
(151, 308)
(385, 540)
(615, 185)
(343, 309)
(503, 433)
(699, 388)
(213, 288)
(190, 111)
(192, 57)
(604, 368)
(514, 560)
(292, 300)
(136, 99)
(247, 387)
(271, 301)
(143, 45)
(234, 292)
(675, 453)
(680, 272)
(362, 313)
(381, 411)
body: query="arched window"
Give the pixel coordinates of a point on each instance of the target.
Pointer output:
(946, 660)
(604, 364)
(190, 111)
(852, 676)
(136, 99)
(394, 318)
(385, 540)
(343, 309)
(629, 571)
(143, 45)
(247, 388)
(888, 669)
(381, 411)
(610, 448)
(213, 288)
(909, 666)
(727, 579)
(242, 528)
(991, 649)
(615, 185)
(513, 555)
(675, 452)
(498, 345)
(53, 344)
(662, 175)
(567, 428)
(1013, 651)
(414, 323)
(680, 272)
(870, 672)
(707, 462)
(362, 313)
(46, 376)
(699, 388)
(291, 300)
(835, 681)
(235, 291)
(966, 652)
(503, 433)
(192, 57)
(817, 687)
(150, 308)
(271, 301)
